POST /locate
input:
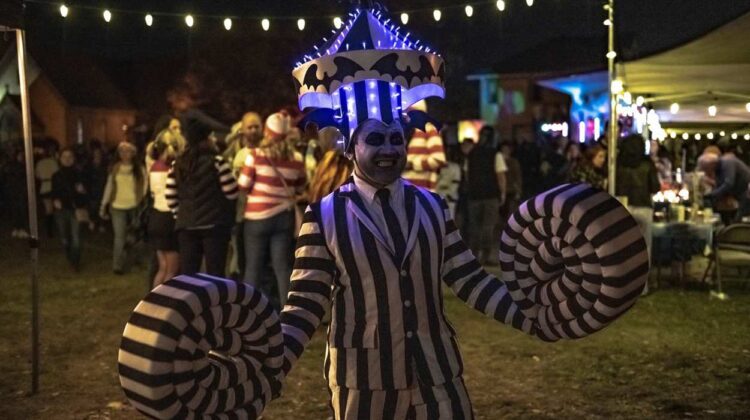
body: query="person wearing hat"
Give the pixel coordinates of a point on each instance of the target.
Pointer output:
(273, 176)
(123, 194)
(200, 191)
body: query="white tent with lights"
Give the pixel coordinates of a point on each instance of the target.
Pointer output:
(711, 70)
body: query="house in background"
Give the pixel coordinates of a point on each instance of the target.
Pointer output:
(72, 99)
(512, 99)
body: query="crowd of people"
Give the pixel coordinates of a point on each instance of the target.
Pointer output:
(230, 205)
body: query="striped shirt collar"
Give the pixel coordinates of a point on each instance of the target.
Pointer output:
(367, 191)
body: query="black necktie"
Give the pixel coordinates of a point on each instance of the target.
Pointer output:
(394, 227)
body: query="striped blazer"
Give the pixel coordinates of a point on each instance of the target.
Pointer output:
(388, 322)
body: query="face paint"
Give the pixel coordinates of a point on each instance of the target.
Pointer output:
(379, 152)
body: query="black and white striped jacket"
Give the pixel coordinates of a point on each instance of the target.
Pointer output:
(388, 322)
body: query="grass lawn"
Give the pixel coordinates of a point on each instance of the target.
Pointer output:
(677, 354)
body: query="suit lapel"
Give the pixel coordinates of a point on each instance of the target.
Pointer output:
(413, 210)
(356, 206)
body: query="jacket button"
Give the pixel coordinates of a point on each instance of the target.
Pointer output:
(407, 303)
(404, 273)
(409, 334)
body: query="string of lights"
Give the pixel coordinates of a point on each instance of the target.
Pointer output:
(190, 19)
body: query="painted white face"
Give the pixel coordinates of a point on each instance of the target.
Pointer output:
(379, 152)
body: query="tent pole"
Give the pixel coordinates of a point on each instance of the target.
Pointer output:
(31, 192)
(613, 136)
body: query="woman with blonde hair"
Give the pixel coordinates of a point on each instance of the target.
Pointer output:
(123, 193)
(273, 176)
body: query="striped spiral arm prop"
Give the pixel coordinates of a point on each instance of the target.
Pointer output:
(201, 346)
(574, 260)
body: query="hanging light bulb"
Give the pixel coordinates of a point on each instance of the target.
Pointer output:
(189, 21)
(710, 136)
(337, 22)
(611, 55)
(469, 10)
(227, 24)
(500, 5)
(149, 20)
(529, 3)
(734, 136)
(404, 18)
(64, 11)
(265, 24)
(722, 133)
(712, 110)
(607, 22)
(697, 136)
(437, 14)
(301, 24)
(617, 86)
(107, 15)
(640, 100)
(747, 106)
(747, 136)
(673, 135)
(674, 108)
(685, 136)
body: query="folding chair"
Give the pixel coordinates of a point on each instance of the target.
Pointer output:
(732, 249)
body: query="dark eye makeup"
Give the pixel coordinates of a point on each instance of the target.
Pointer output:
(378, 139)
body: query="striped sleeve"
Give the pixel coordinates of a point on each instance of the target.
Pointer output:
(247, 173)
(171, 191)
(309, 289)
(475, 286)
(431, 155)
(226, 178)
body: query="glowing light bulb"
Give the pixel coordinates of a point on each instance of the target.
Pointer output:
(265, 24)
(747, 106)
(64, 11)
(674, 108)
(189, 21)
(712, 110)
(685, 136)
(529, 3)
(301, 24)
(500, 5)
(617, 86)
(734, 136)
(469, 11)
(437, 14)
(640, 100)
(697, 136)
(107, 15)
(337, 22)
(611, 55)
(673, 135)
(747, 136)
(149, 20)
(404, 18)
(722, 133)
(227, 24)
(607, 22)
(710, 136)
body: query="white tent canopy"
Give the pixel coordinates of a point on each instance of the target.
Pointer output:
(711, 70)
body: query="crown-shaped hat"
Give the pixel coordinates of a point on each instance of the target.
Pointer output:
(369, 68)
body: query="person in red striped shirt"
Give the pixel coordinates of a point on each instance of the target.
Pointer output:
(274, 177)
(425, 155)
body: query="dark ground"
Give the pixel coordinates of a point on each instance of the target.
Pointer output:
(677, 354)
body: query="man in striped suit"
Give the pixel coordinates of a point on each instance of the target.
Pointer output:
(377, 251)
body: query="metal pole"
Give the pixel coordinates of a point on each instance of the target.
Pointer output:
(613, 136)
(31, 192)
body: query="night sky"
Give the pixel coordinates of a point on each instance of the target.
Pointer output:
(249, 68)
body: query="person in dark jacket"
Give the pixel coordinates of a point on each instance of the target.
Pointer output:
(201, 190)
(732, 180)
(68, 196)
(636, 174)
